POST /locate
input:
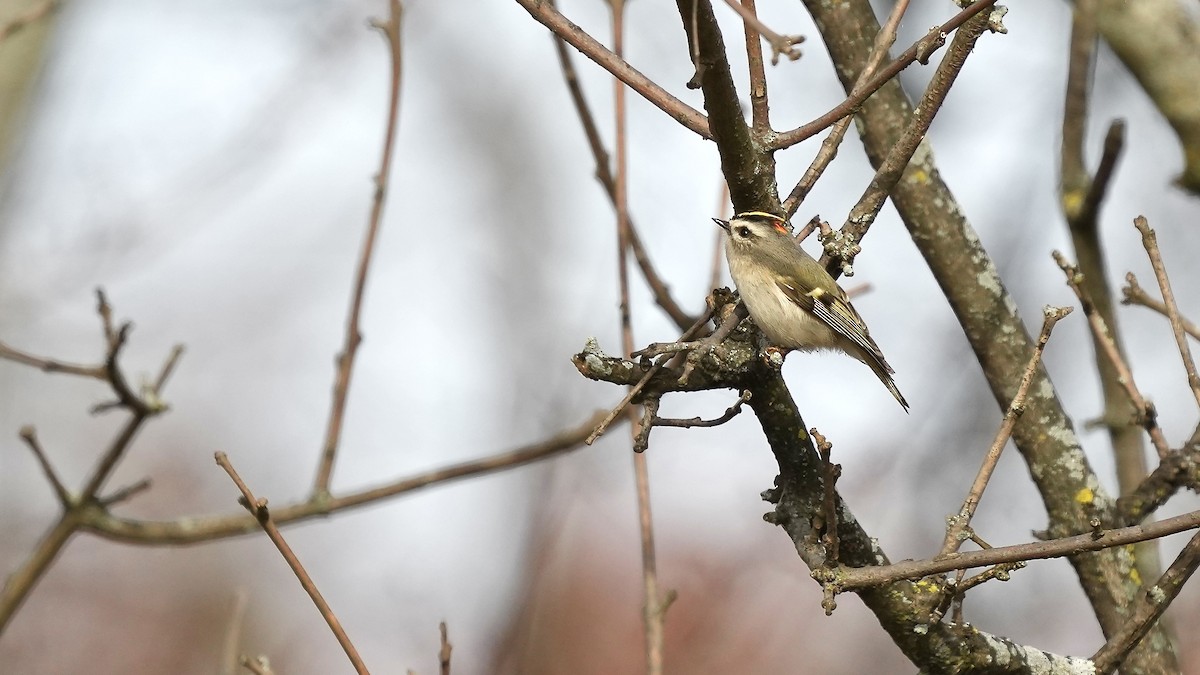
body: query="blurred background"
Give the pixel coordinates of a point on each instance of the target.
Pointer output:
(209, 164)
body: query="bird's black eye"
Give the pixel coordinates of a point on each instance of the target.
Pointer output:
(743, 232)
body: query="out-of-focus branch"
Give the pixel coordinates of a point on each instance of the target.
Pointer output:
(548, 16)
(829, 147)
(193, 530)
(781, 45)
(662, 293)
(1146, 413)
(341, 384)
(35, 13)
(1159, 42)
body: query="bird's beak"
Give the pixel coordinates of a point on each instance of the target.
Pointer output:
(723, 224)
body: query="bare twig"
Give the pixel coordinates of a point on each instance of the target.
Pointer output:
(839, 254)
(653, 609)
(345, 361)
(258, 509)
(29, 435)
(781, 45)
(548, 16)
(960, 523)
(195, 530)
(50, 365)
(760, 119)
(1136, 295)
(851, 578)
(829, 147)
(847, 107)
(662, 294)
(1147, 416)
(730, 413)
(637, 388)
(1150, 242)
(128, 492)
(1149, 608)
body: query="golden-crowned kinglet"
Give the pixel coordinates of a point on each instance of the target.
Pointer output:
(791, 297)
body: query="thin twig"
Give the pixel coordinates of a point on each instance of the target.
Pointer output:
(959, 523)
(548, 16)
(258, 509)
(853, 101)
(1150, 242)
(233, 633)
(51, 365)
(1147, 416)
(341, 385)
(662, 293)
(128, 492)
(829, 147)
(637, 388)
(1136, 295)
(653, 608)
(851, 578)
(1149, 608)
(29, 435)
(781, 45)
(839, 253)
(195, 530)
(730, 413)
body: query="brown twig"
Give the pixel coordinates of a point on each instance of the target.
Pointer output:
(195, 530)
(1150, 607)
(760, 119)
(29, 435)
(1179, 469)
(662, 293)
(853, 101)
(548, 16)
(51, 365)
(1150, 242)
(730, 413)
(959, 524)
(1147, 416)
(345, 361)
(1136, 295)
(653, 608)
(233, 634)
(258, 509)
(637, 388)
(781, 45)
(852, 578)
(840, 252)
(444, 651)
(128, 492)
(829, 147)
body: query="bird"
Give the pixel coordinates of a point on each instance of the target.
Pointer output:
(792, 298)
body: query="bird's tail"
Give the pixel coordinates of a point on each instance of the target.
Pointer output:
(884, 372)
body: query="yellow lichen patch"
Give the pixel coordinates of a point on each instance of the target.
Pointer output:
(1085, 496)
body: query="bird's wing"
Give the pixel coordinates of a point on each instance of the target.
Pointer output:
(836, 312)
